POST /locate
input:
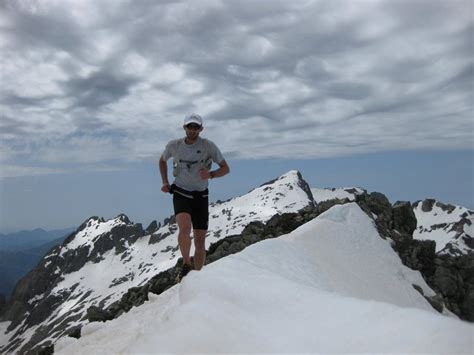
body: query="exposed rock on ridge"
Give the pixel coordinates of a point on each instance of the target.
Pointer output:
(451, 277)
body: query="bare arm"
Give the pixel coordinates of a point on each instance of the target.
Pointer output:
(164, 175)
(223, 170)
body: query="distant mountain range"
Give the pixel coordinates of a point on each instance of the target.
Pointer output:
(104, 268)
(21, 251)
(25, 240)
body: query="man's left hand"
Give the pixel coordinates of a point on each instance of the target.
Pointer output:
(204, 174)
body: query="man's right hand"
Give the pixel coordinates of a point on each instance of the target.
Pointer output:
(166, 188)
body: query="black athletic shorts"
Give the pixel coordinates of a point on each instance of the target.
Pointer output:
(196, 203)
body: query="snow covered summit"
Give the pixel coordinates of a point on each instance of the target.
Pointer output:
(289, 193)
(332, 285)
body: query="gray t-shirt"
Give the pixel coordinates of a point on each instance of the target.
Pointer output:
(189, 159)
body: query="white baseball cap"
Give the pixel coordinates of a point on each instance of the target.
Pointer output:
(193, 118)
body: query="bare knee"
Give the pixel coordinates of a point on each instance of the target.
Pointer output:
(199, 240)
(184, 224)
(185, 231)
(200, 243)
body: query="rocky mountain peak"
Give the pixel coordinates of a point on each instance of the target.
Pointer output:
(288, 193)
(450, 226)
(91, 233)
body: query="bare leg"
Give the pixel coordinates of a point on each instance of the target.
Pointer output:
(184, 236)
(200, 248)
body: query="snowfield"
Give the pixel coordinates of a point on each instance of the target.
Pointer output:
(331, 286)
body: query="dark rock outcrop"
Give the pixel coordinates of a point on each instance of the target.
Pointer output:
(427, 205)
(378, 207)
(152, 227)
(305, 187)
(453, 279)
(404, 219)
(417, 254)
(75, 332)
(450, 276)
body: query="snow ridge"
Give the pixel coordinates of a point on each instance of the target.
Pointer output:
(332, 285)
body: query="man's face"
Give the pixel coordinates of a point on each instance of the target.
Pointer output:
(192, 130)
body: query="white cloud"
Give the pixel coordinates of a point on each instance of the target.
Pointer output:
(321, 78)
(168, 73)
(40, 81)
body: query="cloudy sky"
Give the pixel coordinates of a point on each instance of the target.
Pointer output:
(96, 89)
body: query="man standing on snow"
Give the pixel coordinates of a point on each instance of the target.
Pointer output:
(192, 161)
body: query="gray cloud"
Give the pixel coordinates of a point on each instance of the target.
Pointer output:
(29, 27)
(321, 78)
(15, 100)
(349, 91)
(98, 89)
(10, 127)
